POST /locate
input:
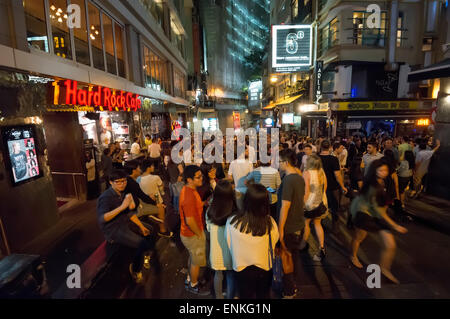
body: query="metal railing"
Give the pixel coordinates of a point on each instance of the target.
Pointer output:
(73, 179)
(4, 238)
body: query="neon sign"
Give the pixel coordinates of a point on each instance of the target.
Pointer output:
(423, 122)
(99, 97)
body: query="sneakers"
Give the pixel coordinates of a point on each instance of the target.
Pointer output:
(137, 276)
(155, 219)
(291, 296)
(166, 234)
(320, 255)
(198, 290)
(187, 282)
(147, 258)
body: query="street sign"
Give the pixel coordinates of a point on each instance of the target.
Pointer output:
(291, 48)
(318, 82)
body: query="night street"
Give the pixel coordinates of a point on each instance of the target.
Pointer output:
(225, 150)
(421, 265)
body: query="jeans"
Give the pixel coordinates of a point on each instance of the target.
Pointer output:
(254, 283)
(125, 236)
(218, 280)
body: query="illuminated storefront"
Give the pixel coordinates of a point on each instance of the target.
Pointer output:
(396, 118)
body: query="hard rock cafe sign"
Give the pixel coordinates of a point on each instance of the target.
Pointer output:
(68, 95)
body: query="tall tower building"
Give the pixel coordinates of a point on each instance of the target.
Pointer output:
(233, 30)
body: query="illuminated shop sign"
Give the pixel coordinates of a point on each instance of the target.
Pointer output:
(375, 106)
(423, 122)
(96, 98)
(291, 48)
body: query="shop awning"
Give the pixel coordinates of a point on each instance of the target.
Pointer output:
(289, 100)
(434, 71)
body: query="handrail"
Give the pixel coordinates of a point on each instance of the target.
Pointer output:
(73, 179)
(66, 173)
(4, 238)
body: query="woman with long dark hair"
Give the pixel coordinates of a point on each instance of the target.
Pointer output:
(222, 206)
(369, 213)
(209, 181)
(251, 238)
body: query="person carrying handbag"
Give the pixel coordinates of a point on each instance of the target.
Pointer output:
(292, 220)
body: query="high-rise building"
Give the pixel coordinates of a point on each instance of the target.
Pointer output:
(233, 30)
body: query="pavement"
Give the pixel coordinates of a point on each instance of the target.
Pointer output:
(421, 263)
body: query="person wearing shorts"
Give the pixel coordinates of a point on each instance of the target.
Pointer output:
(369, 212)
(192, 232)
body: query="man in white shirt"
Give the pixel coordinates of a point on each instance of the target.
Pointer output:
(238, 171)
(154, 151)
(308, 152)
(152, 185)
(105, 138)
(371, 155)
(135, 147)
(423, 159)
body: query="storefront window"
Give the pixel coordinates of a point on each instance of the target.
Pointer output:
(81, 36)
(95, 33)
(119, 49)
(36, 26)
(155, 73)
(179, 80)
(109, 44)
(60, 31)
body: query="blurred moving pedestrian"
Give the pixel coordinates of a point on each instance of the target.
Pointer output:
(369, 214)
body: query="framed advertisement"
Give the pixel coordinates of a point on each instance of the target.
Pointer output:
(20, 153)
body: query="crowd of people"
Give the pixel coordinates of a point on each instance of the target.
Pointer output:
(235, 218)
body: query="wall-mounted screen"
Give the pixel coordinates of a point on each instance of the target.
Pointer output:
(21, 153)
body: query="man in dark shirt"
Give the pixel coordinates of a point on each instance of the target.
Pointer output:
(116, 209)
(291, 215)
(335, 180)
(19, 162)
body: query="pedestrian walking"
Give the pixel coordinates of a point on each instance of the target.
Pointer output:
(369, 214)
(316, 205)
(291, 217)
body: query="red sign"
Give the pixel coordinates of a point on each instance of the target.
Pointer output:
(100, 97)
(236, 120)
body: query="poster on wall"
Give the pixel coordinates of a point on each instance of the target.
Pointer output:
(21, 156)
